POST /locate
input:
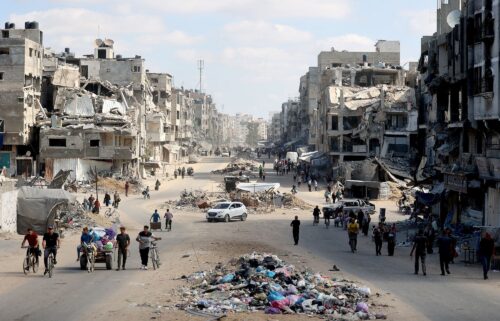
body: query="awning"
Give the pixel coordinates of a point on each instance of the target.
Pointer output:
(433, 197)
(258, 187)
(172, 148)
(370, 184)
(306, 157)
(151, 164)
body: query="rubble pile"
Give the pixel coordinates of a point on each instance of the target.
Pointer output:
(291, 201)
(264, 200)
(198, 199)
(245, 166)
(263, 282)
(74, 217)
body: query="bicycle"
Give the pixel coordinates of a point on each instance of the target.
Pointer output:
(111, 212)
(50, 264)
(30, 262)
(155, 257)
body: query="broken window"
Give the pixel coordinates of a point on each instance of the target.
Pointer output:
(31, 52)
(163, 94)
(1, 75)
(335, 144)
(351, 122)
(477, 79)
(397, 145)
(396, 122)
(57, 142)
(178, 114)
(154, 80)
(4, 51)
(101, 53)
(335, 122)
(5, 33)
(84, 70)
(479, 144)
(2, 128)
(136, 68)
(94, 143)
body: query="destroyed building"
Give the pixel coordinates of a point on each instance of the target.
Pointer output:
(21, 53)
(459, 112)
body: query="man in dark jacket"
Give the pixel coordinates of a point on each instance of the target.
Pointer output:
(486, 251)
(445, 243)
(419, 247)
(295, 229)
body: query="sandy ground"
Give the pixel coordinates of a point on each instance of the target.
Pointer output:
(136, 295)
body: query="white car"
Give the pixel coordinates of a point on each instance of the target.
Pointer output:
(226, 211)
(353, 205)
(225, 154)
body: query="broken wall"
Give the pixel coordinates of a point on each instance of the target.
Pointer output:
(8, 203)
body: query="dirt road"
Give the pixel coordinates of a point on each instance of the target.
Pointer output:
(195, 245)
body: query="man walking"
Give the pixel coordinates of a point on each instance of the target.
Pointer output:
(126, 188)
(144, 238)
(123, 241)
(295, 229)
(486, 251)
(377, 237)
(316, 213)
(419, 247)
(168, 220)
(444, 243)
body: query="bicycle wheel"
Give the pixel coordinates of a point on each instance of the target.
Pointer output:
(34, 263)
(26, 267)
(153, 258)
(50, 264)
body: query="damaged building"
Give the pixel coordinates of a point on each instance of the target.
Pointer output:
(459, 112)
(21, 53)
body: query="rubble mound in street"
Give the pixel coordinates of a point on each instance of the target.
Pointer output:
(246, 166)
(264, 282)
(74, 217)
(276, 200)
(199, 199)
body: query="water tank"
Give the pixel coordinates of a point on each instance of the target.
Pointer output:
(66, 50)
(34, 25)
(27, 25)
(7, 24)
(119, 56)
(12, 26)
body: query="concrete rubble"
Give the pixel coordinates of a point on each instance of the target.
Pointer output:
(264, 282)
(239, 165)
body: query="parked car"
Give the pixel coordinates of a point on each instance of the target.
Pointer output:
(226, 211)
(351, 204)
(225, 154)
(203, 153)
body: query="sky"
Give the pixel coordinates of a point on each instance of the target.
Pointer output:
(254, 50)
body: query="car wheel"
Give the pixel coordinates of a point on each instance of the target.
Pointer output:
(244, 217)
(227, 219)
(209, 220)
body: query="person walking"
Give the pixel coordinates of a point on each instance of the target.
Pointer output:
(127, 186)
(326, 216)
(316, 213)
(444, 243)
(486, 251)
(366, 223)
(430, 234)
(97, 206)
(168, 220)
(123, 241)
(107, 199)
(315, 185)
(144, 238)
(377, 237)
(295, 230)
(420, 247)
(391, 240)
(309, 184)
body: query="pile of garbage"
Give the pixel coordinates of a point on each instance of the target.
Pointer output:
(237, 166)
(74, 217)
(263, 282)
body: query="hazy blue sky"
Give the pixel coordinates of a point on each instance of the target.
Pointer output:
(254, 50)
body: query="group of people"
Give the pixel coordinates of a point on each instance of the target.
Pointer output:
(168, 216)
(93, 204)
(51, 243)
(116, 199)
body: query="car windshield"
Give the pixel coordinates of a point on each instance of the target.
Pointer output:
(221, 206)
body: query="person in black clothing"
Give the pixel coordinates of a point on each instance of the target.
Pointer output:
(486, 251)
(295, 229)
(50, 244)
(377, 237)
(316, 213)
(444, 243)
(391, 240)
(419, 247)
(123, 241)
(430, 234)
(360, 218)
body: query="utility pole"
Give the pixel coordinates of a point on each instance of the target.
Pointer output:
(96, 178)
(201, 66)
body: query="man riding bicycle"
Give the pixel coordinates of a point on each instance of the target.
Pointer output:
(352, 231)
(50, 244)
(85, 240)
(34, 248)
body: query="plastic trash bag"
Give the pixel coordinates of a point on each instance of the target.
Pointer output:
(227, 278)
(308, 306)
(270, 274)
(362, 306)
(293, 299)
(291, 289)
(274, 296)
(272, 310)
(364, 291)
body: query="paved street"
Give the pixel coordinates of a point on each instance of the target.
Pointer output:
(76, 295)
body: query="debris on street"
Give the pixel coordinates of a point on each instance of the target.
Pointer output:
(239, 165)
(264, 282)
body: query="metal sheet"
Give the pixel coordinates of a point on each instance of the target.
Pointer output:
(79, 106)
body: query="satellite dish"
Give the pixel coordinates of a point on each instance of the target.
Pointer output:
(109, 42)
(98, 42)
(453, 18)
